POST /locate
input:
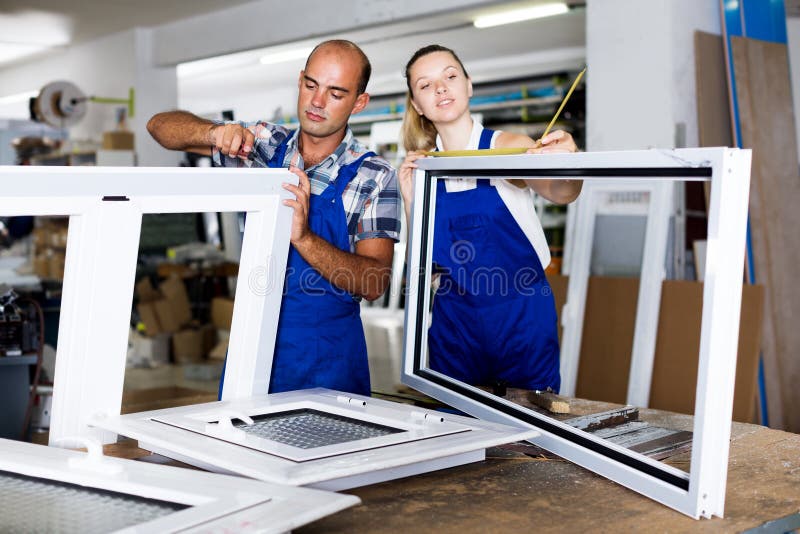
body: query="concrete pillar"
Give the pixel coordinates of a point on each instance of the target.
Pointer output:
(640, 77)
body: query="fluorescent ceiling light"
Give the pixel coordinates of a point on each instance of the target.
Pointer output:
(214, 65)
(518, 15)
(286, 55)
(18, 97)
(239, 60)
(26, 25)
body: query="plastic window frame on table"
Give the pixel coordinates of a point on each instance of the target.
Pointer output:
(215, 502)
(415, 428)
(701, 492)
(105, 208)
(353, 467)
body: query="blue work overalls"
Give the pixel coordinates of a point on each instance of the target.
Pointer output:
(494, 317)
(320, 340)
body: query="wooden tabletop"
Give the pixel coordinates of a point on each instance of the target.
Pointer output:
(521, 488)
(514, 492)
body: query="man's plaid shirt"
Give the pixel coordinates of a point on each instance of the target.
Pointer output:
(371, 201)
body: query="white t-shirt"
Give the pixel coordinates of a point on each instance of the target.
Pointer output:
(519, 201)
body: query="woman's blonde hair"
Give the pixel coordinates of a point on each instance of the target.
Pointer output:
(419, 133)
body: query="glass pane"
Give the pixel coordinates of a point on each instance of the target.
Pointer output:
(309, 429)
(38, 505)
(493, 321)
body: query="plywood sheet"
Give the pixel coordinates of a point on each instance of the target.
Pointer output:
(713, 111)
(678, 346)
(761, 71)
(608, 326)
(608, 339)
(713, 107)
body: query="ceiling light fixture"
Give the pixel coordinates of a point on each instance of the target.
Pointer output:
(286, 55)
(518, 15)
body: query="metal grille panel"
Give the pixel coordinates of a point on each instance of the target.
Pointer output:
(309, 429)
(34, 505)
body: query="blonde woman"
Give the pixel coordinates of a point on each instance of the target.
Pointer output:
(494, 318)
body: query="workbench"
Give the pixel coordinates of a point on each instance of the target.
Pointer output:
(514, 491)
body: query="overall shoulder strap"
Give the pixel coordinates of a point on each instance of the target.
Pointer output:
(349, 171)
(486, 139)
(276, 160)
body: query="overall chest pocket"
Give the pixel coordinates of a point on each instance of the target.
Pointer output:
(471, 244)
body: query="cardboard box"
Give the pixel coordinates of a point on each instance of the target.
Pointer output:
(50, 235)
(145, 290)
(220, 350)
(166, 316)
(163, 312)
(174, 292)
(55, 265)
(118, 140)
(49, 264)
(222, 312)
(41, 266)
(148, 316)
(187, 346)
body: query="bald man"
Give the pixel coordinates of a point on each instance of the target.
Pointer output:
(346, 215)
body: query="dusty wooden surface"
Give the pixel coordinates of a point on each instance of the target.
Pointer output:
(515, 492)
(512, 492)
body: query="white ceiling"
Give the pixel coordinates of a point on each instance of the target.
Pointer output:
(84, 20)
(527, 48)
(31, 28)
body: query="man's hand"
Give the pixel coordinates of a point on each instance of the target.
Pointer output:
(302, 193)
(557, 141)
(232, 140)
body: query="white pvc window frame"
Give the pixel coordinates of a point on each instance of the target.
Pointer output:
(216, 422)
(215, 502)
(652, 276)
(701, 492)
(105, 208)
(350, 469)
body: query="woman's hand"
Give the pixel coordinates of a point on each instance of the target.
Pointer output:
(557, 141)
(405, 175)
(557, 191)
